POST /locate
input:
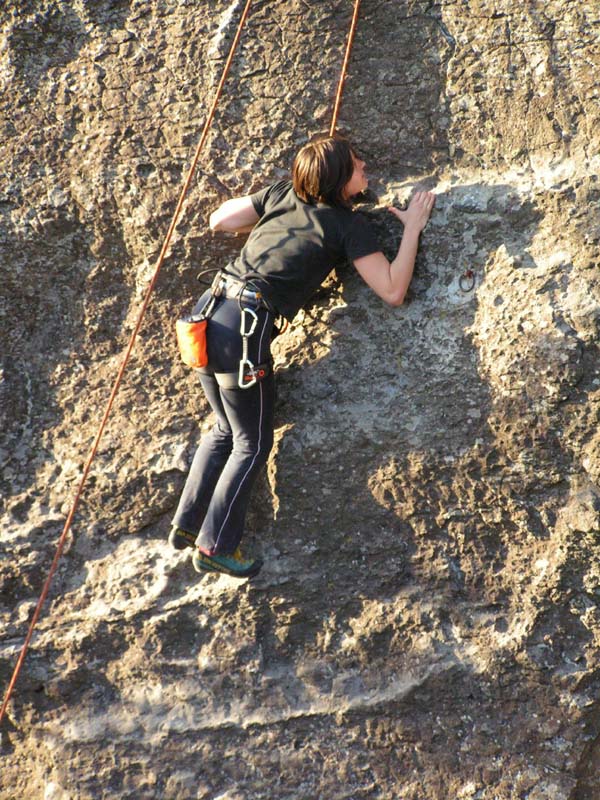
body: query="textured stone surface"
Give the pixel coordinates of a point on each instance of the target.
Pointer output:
(426, 626)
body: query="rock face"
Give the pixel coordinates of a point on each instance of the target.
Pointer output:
(426, 626)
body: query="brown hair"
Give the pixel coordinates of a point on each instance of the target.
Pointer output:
(321, 170)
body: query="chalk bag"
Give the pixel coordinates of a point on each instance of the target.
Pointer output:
(191, 338)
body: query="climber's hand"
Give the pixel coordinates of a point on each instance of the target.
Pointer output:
(418, 211)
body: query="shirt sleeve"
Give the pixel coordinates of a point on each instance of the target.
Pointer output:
(262, 198)
(359, 238)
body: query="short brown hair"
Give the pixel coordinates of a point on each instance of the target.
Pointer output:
(321, 170)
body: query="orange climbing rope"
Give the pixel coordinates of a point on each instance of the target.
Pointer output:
(159, 263)
(340, 89)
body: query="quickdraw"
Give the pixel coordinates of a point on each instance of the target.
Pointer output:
(246, 366)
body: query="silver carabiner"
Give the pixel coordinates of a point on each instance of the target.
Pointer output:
(242, 382)
(247, 334)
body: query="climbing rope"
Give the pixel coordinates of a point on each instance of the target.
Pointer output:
(159, 263)
(117, 383)
(340, 88)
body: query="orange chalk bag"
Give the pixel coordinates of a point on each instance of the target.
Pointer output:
(191, 336)
(191, 339)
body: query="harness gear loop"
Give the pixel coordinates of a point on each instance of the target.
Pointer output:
(203, 272)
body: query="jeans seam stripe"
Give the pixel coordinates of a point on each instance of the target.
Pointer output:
(233, 499)
(261, 338)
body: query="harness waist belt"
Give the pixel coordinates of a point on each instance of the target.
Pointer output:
(236, 289)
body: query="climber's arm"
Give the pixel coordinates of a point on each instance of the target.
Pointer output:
(237, 215)
(390, 281)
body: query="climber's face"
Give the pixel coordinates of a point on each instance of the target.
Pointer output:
(359, 181)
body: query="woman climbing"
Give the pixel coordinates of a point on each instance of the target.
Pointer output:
(299, 231)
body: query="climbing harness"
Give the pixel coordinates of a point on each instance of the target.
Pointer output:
(167, 241)
(191, 330)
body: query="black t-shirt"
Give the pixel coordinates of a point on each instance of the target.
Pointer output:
(295, 245)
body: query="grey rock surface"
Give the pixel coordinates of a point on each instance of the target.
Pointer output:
(426, 626)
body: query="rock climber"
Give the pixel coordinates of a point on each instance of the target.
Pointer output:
(300, 229)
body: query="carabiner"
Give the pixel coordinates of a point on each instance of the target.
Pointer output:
(243, 331)
(242, 382)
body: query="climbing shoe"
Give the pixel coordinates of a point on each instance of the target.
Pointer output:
(233, 564)
(181, 539)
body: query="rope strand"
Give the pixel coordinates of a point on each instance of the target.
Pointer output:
(159, 263)
(340, 89)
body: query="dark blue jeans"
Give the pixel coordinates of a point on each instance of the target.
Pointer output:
(217, 491)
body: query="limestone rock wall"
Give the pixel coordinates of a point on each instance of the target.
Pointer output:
(426, 626)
